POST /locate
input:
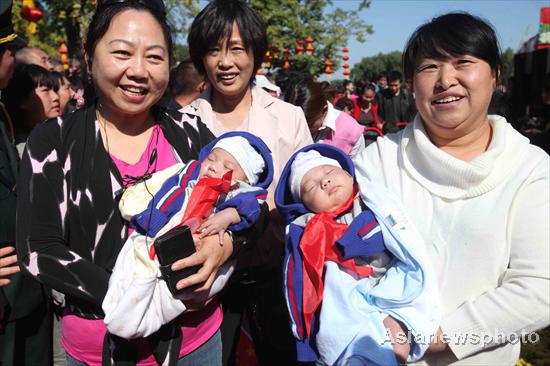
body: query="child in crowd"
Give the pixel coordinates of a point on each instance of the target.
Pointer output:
(326, 124)
(354, 266)
(200, 195)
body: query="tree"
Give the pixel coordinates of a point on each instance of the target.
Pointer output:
(507, 59)
(330, 27)
(69, 20)
(369, 67)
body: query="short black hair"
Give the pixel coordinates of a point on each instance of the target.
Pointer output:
(215, 22)
(395, 75)
(343, 103)
(99, 25)
(184, 78)
(450, 35)
(308, 95)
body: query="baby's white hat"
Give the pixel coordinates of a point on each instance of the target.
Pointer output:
(303, 163)
(250, 160)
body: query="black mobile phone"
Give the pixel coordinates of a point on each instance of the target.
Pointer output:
(173, 246)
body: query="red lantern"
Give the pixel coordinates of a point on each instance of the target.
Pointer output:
(345, 57)
(345, 66)
(62, 48)
(328, 70)
(346, 72)
(328, 63)
(346, 50)
(31, 14)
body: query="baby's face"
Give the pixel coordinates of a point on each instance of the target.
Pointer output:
(325, 188)
(219, 162)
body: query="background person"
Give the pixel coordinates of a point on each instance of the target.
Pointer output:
(396, 104)
(65, 92)
(31, 97)
(326, 124)
(186, 84)
(70, 230)
(25, 323)
(476, 189)
(227, 42)
(34, 56)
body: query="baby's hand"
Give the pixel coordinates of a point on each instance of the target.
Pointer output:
(218, 223)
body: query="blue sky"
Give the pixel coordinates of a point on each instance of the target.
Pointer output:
(395, 20)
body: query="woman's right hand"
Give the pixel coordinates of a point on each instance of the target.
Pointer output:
(8, 264)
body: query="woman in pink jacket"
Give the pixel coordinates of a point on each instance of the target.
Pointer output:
(227, 42)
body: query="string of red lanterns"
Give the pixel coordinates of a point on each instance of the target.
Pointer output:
(273, 54)
(345, 57)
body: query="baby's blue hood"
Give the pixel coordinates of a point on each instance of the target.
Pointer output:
(267, 177)
(288, 208)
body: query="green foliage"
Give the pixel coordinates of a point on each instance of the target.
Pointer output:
(369, 67)
(290, 20)
(180, 16)
(63, 19)
(507, 59)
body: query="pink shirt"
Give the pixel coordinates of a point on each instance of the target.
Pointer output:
(83, 338)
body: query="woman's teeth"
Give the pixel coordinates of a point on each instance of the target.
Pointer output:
(227, 76)
(134, 91)
(446, 100)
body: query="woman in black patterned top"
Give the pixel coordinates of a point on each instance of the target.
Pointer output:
(74, 170)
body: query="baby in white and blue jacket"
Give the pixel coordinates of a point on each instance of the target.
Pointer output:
(374, 264)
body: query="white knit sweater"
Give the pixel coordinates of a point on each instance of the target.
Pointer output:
(486, 224)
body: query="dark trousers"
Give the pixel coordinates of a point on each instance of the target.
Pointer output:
(263, 303)
(28, 340)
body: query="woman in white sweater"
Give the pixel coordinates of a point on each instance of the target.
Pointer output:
(477, 191)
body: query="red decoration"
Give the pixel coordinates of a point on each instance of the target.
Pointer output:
(345, 57)
(328, 63)
(31, 14)
(345, 50)
(62, 48)
(345, 66)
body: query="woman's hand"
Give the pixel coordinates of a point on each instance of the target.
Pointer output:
(210, 256)
(399, 338)
(438, 342)
(8, 264)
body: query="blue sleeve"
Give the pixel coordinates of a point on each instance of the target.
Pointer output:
(166, 202)
(247, 205)
(363, 237)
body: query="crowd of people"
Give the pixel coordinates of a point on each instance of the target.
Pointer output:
(370, 223)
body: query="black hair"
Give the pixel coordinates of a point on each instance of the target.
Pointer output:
(381, 75)
(360, 101)
(26, 78)
(184, 78)
(309, 95)
(367, 87)
(343, 103)
(215, 23)
(59, 77)
(451, 35)
(99, 25)
(395, 75)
